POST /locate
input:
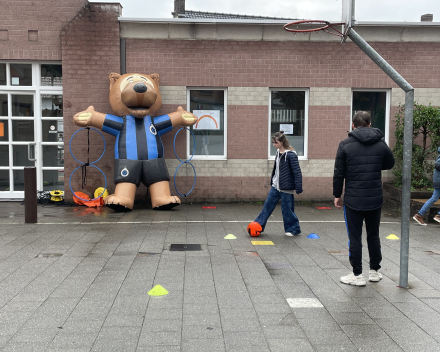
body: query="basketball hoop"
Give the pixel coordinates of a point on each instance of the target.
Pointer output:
(324, 26)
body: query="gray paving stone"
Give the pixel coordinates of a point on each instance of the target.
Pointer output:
(224, 298)
(290, 345)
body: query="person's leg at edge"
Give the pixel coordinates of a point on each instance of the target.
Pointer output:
(291, 222)
(354, 221)
(372, 223)
(434, 198)
(269, 205)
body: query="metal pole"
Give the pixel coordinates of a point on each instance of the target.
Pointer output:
(406, 188)
(122, 55)
(407, 149)
(30, 194)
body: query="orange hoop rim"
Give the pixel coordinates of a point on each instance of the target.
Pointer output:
(326, 26)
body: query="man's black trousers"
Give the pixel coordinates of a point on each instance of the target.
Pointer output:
(354, 219)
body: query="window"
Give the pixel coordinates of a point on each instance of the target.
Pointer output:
(376, 103)
(210, 129)
(288, 112)
(31, 126)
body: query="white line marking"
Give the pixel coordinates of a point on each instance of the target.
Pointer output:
(304, 303)
(174, 222)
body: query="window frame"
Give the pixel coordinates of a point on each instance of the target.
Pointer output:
(387, 108)
(225, 126)
(36, 90)
(306, 120)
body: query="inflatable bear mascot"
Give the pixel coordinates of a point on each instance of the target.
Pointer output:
(139, 154)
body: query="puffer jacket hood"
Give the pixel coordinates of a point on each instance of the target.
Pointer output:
(367, 135)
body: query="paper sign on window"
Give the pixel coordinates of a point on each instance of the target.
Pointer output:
(207, 119)
(287, 128)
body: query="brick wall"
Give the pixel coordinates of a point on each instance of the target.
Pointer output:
(90, 51)
(328, 69)
(30, 30)
(282, 64)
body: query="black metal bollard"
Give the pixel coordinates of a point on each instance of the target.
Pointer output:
(30, 194)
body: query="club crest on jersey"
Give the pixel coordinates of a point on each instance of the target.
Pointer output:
(124, 172)
(153, 129)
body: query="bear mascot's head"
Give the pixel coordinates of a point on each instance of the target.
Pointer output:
(135, 94)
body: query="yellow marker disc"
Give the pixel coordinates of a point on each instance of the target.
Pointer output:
(230, 237)
(392, 237)
(262, 243)
(158, 291)
(98, 192)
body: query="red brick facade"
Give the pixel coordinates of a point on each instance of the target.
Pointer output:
(31, 29)
(90, 51)
(86, 38)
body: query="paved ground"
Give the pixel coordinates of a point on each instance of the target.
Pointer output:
(78, 280)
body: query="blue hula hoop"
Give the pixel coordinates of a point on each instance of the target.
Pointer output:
(184, 161)
(70, 145)
(70, 183)
(90, 164)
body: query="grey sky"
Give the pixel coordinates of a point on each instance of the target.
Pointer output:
(366, 10)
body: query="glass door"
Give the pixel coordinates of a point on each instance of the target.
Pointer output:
(31, 127)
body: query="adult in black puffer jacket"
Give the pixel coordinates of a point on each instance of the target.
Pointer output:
(359, 161)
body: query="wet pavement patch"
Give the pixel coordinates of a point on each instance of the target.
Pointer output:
(338, 252)
(240, 254)
(432, 253)
(185, 247)
(49, 255)
(281, 265)
(147, 254)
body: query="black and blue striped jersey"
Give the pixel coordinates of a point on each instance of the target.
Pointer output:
(137, 138)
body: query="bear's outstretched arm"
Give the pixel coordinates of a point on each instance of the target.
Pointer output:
(181, 118)
(89, 117)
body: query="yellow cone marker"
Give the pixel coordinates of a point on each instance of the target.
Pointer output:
(230, 237)
(262, 243)
(158, 291)
(392, 237)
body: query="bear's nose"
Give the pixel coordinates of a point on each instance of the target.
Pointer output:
(140, 88)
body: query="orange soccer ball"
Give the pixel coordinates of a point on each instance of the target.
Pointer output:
(254, 229)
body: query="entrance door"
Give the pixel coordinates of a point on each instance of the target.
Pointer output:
(31, 127)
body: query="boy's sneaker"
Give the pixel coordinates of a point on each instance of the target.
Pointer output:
(419, 219)
(351, 279)
(437, 218)
(290, 234)
(375, 276)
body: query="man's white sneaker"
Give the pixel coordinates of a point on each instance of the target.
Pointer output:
(290, 234)
(351, 279)
(375, 276)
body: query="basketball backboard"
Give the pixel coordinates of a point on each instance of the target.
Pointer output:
(347, 15)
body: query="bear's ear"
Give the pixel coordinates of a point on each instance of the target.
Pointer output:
(113, 78)
(155, 77)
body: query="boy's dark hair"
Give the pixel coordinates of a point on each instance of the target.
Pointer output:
(361, 119)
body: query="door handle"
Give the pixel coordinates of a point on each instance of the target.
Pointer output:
(29, 152)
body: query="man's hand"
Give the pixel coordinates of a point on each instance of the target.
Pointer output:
(338, 203)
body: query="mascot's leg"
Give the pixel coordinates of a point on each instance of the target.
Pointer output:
(161, 198)
(123, 198)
